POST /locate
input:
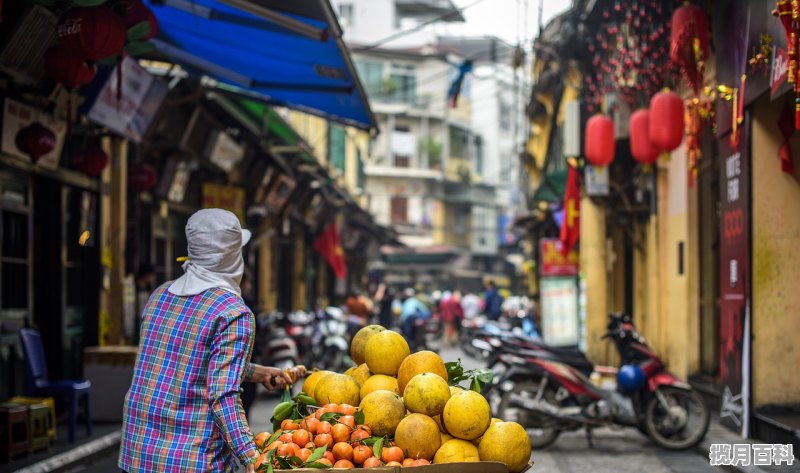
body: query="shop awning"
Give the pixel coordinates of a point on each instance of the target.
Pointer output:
(551, 188)
(289, 53)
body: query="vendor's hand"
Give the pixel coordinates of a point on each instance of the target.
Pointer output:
(274, 379)
(250, 468)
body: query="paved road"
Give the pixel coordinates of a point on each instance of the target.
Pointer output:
(615, 451)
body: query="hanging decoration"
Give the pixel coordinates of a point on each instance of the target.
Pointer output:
(666, 120)
(786, 127)
(699, 113)
(455, 87)
(689, 42)
(599, 140)
(788, 11)
(67, 68)
(143, 19)
(642, 148)
(92, 32)
(762, 54)
(35, 140)
(142, 177)
(627, 54)
(90, 160)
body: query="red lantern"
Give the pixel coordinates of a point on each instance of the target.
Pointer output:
(35, 140)
(599, 140)
(689, 42)
(90, 161)
(642, 148)
(67, 68)
(666, 120)
(142, 177)
(92, 32)
(138, 13)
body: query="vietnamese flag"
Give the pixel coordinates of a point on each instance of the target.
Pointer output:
(571, 221)
(329, 247)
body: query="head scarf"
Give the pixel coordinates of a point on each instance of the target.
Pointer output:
(214, 241)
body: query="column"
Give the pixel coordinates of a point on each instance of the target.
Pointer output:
(593, 261)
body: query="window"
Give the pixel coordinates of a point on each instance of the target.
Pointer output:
(371, 75)
(505, 116)
(402, 161)
(478, 155)
(346, 14)
(458, 143)
(399, 210)
(336, 146)
(402, 86)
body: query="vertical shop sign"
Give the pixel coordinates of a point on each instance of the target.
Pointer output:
(734, 255)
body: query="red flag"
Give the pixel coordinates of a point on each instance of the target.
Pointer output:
(329, 247)
(571, 226)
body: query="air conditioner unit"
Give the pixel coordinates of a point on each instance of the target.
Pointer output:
(22, 55)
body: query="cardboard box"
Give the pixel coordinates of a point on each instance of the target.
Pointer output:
(466, 467)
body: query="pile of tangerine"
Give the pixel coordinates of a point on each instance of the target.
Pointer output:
(343, 440)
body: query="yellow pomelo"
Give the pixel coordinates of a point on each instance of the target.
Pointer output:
(420, 362)
(360, 373)
(455, 389)
(349, 371)
(378, 382)
(359, 342)
(445, 437)
(506, 442)
(383, 410)
(385, 351)
(426, 393)
(494, 420)
(456, 450)
(466, 415)
(311, 382)
(337, 389)
(438, 420)
(418, 436)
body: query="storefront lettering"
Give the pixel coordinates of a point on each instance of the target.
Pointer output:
(733, 223)
(733, 168)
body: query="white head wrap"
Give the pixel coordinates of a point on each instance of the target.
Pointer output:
(214, 240)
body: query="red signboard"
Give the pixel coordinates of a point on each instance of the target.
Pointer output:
(734, 257)
(553, 262)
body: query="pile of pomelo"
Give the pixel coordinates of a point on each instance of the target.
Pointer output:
(406, 415)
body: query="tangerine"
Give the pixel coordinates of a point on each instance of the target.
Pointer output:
(261, 459)
(274, 445)
(341, 433)
(301, 437)
(407, 461)
(310, 445)
(325, 461)
(421, 462)
(348, 410)
(285, 437)
(323, 439)
(361, 453)
(310, 423)
(348, 420)
(262, 438)
(324, 427)
(285, 450)
(343, 464)
(289, 424)
(342, 451)
(358, 435)
(304, 454)
(394, 464)
(329, 455)
(390, 454)
(372, 462)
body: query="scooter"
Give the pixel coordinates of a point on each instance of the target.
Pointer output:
(276, 347)
(330, 347)
(548, 396)
(300, 326)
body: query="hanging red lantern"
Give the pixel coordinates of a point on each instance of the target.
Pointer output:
(666, 120)
(67, 68)
(689, 42)
(92, 32)
(599, 140)
(642, 148)
(35, 140)
(90, 161)
(138, 13)
(142, 177)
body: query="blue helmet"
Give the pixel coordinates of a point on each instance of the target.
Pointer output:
(630, 378)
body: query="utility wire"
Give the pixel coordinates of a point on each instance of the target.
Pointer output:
(402, 33)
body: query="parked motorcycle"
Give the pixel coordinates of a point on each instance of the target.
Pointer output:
(330, 347)
(276, 347)
(549, 396)
(300, 326)
(428, 334)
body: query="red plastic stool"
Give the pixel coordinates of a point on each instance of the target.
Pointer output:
(13, 431)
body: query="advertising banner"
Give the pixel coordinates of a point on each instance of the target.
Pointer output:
(559, 304)
(553, 261)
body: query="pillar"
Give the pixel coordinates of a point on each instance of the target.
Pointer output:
(113, 217)
(593, 255)
(299, 283)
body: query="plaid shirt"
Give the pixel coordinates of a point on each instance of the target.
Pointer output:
(183, 411)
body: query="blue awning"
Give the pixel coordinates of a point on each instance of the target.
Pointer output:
(290, 55)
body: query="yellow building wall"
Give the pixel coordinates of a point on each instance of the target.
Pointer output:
(775, 269)
(593, 265)
(314, 131)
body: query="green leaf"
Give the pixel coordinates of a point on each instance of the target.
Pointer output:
(485, 375)
(294, 460)
(287, 395)
(137, 48)
(270, 456)
(378, 447)
(269, 467)
(88, 3)
(316, 465)
(359, 417)
(139, 31)
(331, 417)
(108, 61)
(274, 437)
(305, 399)
(284, 463)
(475, 385)
(455, 372)
(317, 454)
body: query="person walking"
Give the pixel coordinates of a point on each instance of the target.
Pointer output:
(471, 305)
(183, 411)
(452, 314)
(412, 310)
(493, 302)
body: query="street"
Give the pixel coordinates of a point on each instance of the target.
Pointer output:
(615, 451)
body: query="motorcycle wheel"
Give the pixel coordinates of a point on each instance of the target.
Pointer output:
(542, 431)
(680, 425)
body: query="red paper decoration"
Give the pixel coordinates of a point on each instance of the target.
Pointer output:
(138, 13)
(35, 140)
(142, 177)
(666, 120)
(90, 161)
(599, 140)
(67, 68)
(92, 32)
(689, 42)
(642, 148)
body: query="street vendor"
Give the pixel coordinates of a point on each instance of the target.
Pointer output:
(183, 411)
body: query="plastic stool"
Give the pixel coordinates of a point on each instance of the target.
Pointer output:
(14, 431)
(38, 425)
(49, 402)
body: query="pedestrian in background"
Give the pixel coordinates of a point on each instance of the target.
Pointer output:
(470, 305)
(452, 314)
(384, 296)
(183, 411)
(493, 302)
